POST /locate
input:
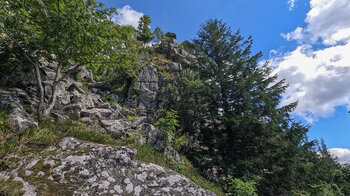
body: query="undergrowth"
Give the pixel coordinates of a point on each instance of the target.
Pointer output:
(47, 134)
(148, 154)
(51, 132)
(10, 188)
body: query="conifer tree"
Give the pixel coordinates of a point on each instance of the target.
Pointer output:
(243, 101)
(145, 33)
(158, 34)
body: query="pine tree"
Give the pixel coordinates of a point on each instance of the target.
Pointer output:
(158, 34)
(145, 33)
(243, 101)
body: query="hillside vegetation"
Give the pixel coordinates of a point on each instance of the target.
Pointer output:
(213, 102)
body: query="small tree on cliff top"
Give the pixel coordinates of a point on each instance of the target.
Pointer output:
(145, 33)
(71, 33)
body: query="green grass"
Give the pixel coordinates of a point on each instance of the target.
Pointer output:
(148, 154)
(130, 118)
(51, 132)
(47, 134)
(10, 188)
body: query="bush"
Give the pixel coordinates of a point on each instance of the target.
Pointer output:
(237, 187)
(108, 98)
(168, 124)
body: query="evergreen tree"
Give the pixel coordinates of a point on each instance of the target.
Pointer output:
(191, 105)
(145, 33)
(158, 34)
(243, 101)
(245, 133)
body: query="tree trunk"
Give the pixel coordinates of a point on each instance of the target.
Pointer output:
(41, 92)
(53, 99)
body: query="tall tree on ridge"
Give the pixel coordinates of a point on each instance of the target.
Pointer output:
(244, 99)
(145, 33)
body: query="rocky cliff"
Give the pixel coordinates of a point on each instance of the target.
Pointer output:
(76, 167)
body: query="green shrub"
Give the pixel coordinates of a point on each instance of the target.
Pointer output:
(237, 187)
(299, 193)
(181, 142)
(325, 189)
(108, 98)
(168, 123)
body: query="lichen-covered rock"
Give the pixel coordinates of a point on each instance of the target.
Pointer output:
(13, 100)
(114, 127)
(154, 136)
(81, 168)
(170, 152)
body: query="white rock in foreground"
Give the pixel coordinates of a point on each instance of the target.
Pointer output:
(82, 168)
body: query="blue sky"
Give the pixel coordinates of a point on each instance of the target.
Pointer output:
(307, 42)
(264, 21)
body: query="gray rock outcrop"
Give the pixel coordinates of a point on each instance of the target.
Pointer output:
(143, 93)
(75, 103)
(82, 168)
(15, 100)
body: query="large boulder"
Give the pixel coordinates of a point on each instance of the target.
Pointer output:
(82, 168)
(14, 100)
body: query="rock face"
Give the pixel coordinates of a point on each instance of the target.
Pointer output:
(143, 93)
(147, 93)
(81, 168)
(78, 104)
(14, 100)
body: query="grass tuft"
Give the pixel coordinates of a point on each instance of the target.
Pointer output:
(148, 154)
(10, 188)
(47, 134)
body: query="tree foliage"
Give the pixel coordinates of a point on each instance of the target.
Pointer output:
(158, 34)
(230, 104)
(145, 33)
(70, 33)
(237, 187)
(168, 123)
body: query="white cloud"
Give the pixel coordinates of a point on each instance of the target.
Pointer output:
(342, 154)
(291, 4)
(319, 78)
(327, 20)
(297, 34)
(128, 16)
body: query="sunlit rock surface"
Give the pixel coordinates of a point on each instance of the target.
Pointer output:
(81, 168)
